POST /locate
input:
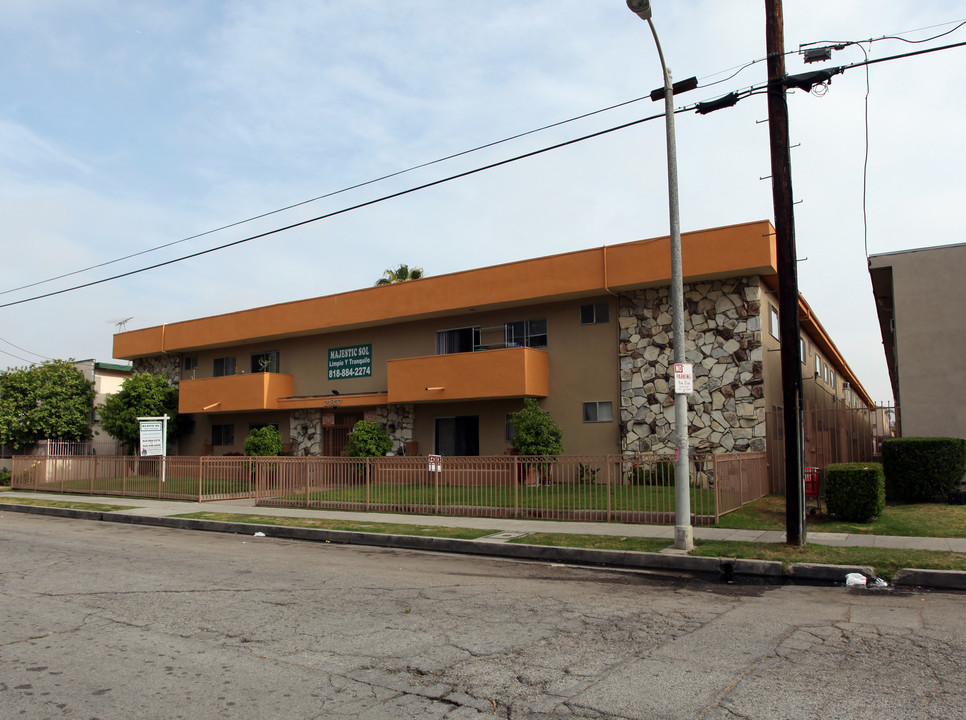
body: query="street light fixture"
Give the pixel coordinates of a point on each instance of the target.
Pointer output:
(683, 534)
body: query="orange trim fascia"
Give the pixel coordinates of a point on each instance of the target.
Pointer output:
(732, 251)
(333, 401)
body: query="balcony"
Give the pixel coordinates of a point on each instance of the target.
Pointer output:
(490, 374)
(234, 393)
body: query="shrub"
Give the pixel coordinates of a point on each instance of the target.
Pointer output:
(4, 476)
(855, 492)
(660, 473)
(368, 440)
(923, 469)
(264, 441)
(536, 432)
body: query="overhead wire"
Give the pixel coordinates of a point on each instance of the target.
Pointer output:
(752, 90)
(372, 181)
(324, 196)
(344, 210)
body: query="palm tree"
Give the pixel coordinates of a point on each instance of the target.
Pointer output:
(400, 274)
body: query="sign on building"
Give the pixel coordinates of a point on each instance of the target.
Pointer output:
(351, 361)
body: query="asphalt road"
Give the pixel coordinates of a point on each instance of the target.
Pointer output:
(114, 621)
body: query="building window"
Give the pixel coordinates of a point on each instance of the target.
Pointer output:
(222, 434)
(598, 412)
(457, 340)
(803, 350)
(457, 435)
(265, 362)
(526, 333)
(190, 362)
(818, 366)
(594, 314)
(223, 366)
(510, 432)
(773, 321)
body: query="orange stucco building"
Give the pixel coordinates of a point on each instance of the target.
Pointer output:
(442, 361)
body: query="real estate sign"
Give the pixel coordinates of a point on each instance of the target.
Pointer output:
(351, 361)
(152, 438)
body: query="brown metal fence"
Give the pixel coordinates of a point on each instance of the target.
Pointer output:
(832, 435)
(621, 488)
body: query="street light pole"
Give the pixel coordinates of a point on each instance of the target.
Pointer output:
(683, 534)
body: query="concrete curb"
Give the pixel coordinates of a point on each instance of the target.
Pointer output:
(726, 568)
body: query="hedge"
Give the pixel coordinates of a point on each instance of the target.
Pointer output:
(855, 492)
(923, 469)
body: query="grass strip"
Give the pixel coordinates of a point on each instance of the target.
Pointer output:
(596, 542)
(914, 519)
(69, 504)
(346, 525)
(885, 560)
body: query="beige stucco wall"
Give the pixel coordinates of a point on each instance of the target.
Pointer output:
(582, 368)
(929, 304)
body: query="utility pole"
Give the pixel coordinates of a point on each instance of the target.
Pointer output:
(791, 359)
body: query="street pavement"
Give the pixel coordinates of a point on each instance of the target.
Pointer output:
(165, 512)
(117, 621)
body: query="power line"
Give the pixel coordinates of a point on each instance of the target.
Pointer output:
(342, 211)
(738, 70)
(22, 349)
(327, 195)
(753, 90)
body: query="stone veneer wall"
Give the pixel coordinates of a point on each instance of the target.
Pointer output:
(726, 412)
(168, 365)
(305, 430)
(399, 420)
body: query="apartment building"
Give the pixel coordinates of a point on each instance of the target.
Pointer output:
(443, 361)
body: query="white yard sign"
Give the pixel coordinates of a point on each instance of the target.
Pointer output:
(154, 432)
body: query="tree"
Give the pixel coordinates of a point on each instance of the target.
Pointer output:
(400, 274)
(52, 400)
(264, 441)
(368, 440)
(535, 431)
(141, 395)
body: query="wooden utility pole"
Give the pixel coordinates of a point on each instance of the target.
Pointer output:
(791, 358)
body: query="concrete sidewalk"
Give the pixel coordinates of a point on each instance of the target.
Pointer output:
(503, 528)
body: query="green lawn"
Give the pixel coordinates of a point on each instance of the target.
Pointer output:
(148, 485)
(921, 519)
(70, 504)
(347, 525)
(638, 498)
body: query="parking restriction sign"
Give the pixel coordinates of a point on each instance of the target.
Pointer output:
(683, 378)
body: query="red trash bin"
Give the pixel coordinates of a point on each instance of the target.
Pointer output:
(811, 488)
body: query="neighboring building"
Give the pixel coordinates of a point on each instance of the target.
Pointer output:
(920, 298)
(107, 379)
(442, 361)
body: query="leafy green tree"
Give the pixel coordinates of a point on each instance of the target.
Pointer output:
(49, 401)
(264, 441)
(140, 395)
(535, 431)
(368, 440)
(400, 274)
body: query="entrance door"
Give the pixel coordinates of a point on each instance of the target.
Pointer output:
(458, 435)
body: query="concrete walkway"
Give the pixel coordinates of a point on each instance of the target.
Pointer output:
(503, 528)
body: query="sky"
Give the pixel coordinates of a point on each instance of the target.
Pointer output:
(128, 124)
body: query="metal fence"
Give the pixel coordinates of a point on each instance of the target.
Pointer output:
(832, 435)
(622, 488)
